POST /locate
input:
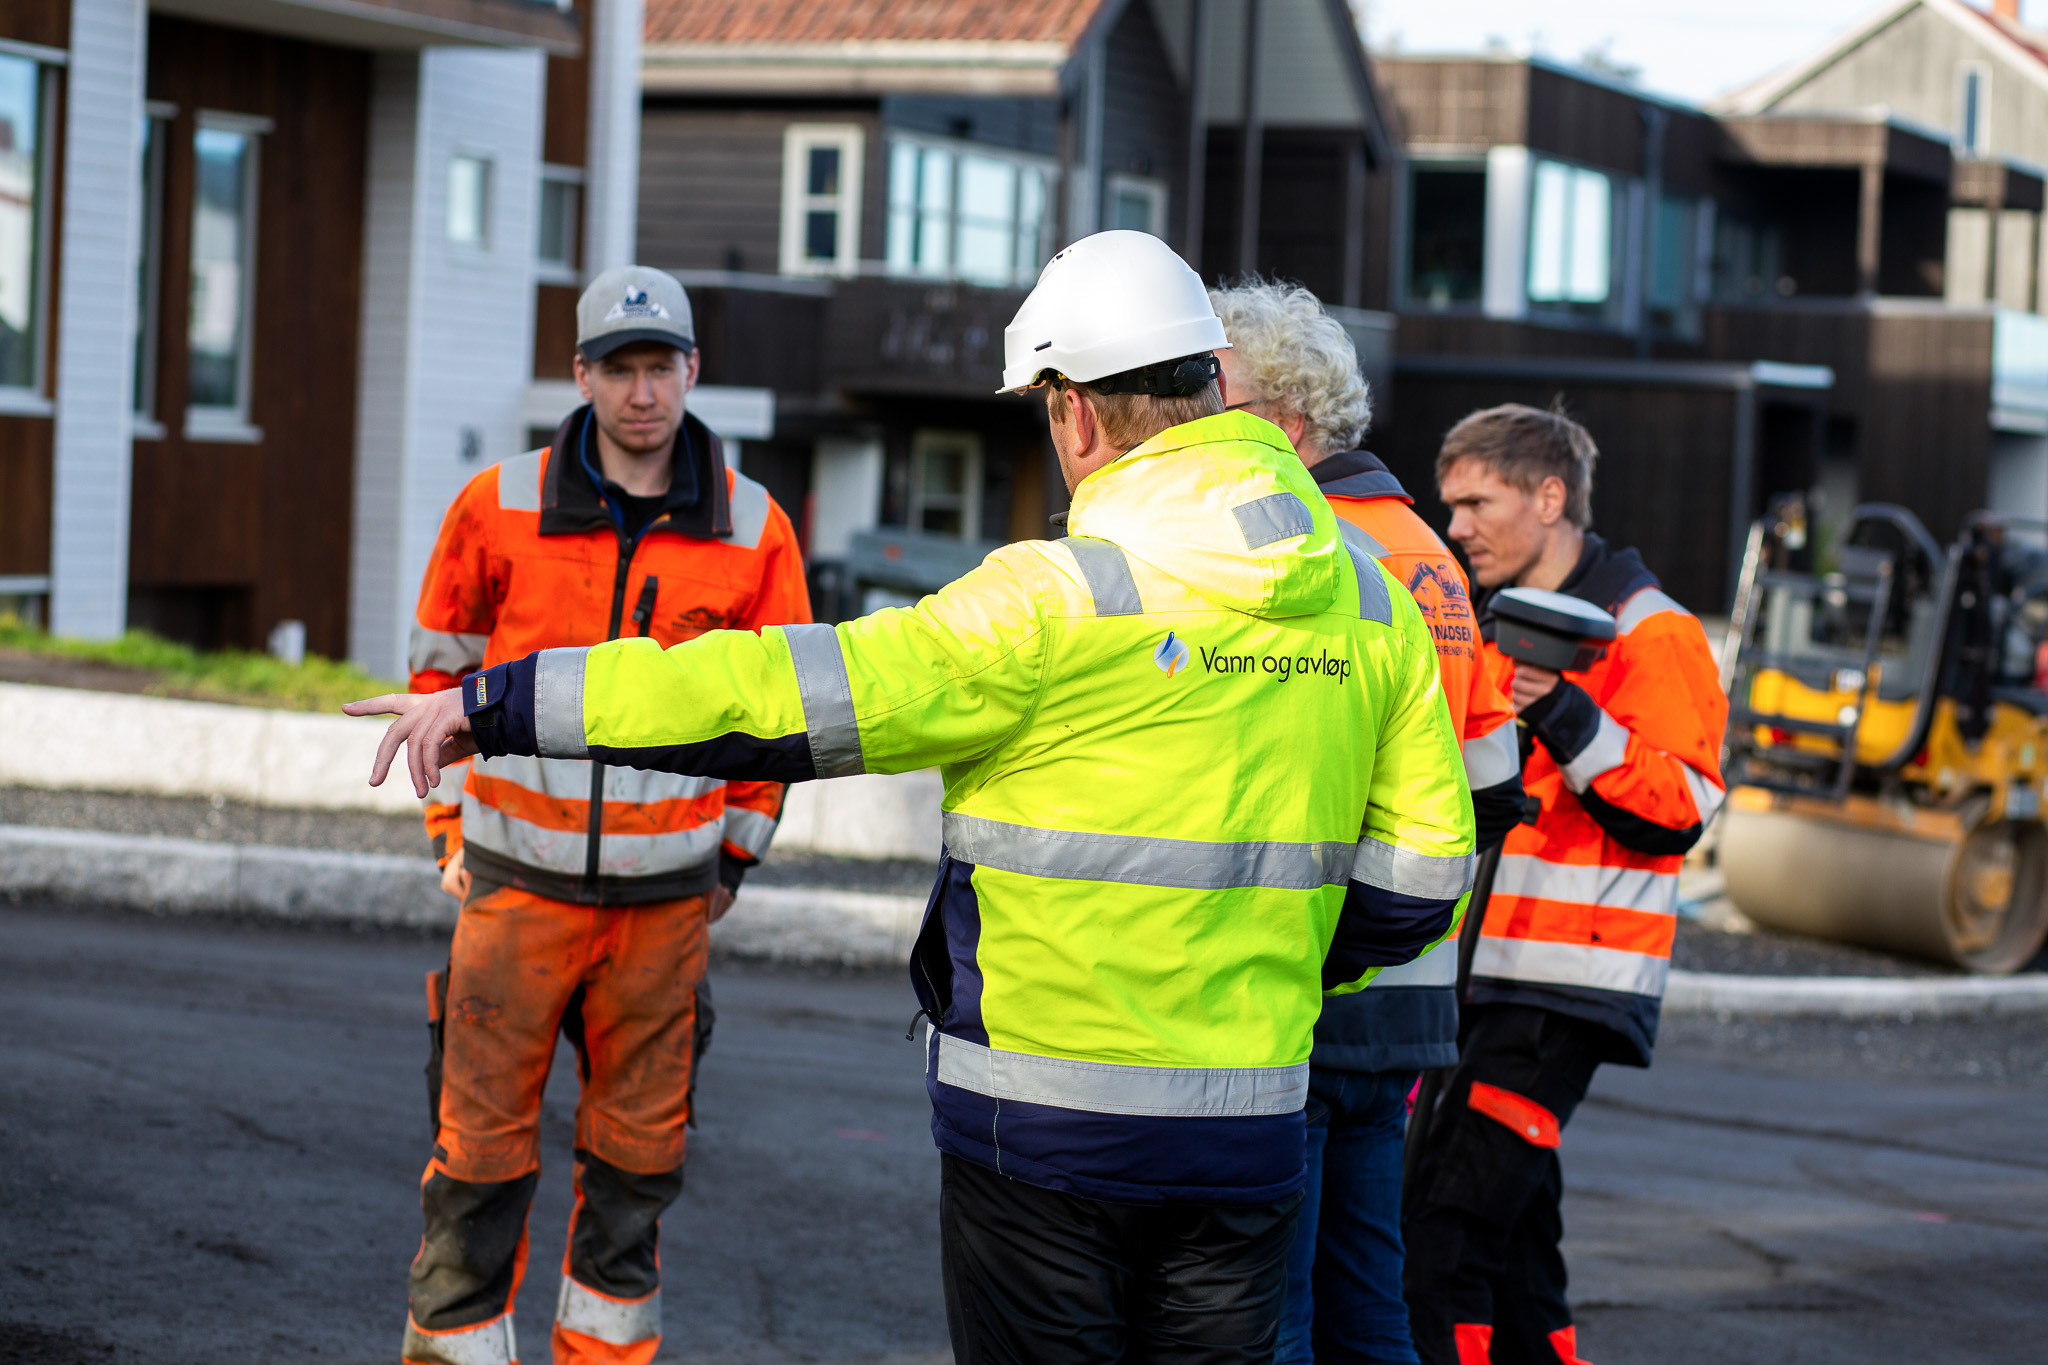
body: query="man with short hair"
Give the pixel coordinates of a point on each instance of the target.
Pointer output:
(1576, 942)
(586, 888)
(1292, 363)
(1197, 773)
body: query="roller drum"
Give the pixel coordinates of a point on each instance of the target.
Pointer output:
(1980, 903)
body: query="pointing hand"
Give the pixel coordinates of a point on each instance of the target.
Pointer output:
(433, 728)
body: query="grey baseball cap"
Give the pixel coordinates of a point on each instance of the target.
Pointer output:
(633, 303)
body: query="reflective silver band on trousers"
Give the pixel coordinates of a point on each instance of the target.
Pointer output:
(1140, 861)
(827, 694)
(1106, 1088)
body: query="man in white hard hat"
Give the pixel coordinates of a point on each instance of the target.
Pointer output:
(1197, 770)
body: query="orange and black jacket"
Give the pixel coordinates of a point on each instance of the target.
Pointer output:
(1408, 1019)
(1625, 761)
(541, 551)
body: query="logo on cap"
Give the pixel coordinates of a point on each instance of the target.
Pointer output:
(635, 304)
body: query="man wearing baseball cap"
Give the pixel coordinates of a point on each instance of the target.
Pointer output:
(586, 889)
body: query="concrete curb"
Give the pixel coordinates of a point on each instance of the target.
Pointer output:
(66, 738)
(780, 923)
(1855, 997)
(192, 876)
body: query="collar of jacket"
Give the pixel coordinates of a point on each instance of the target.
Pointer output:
(570, 503)
(1356, 474)
(1183, 503)
(1606, 578)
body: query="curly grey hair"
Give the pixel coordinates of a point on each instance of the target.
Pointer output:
(1296, 357)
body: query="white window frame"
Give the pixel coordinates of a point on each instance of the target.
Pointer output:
(1146, 187)
(798, 139)
(231, 425)
(927, 441)
(1982, 146)
(149, 268)
(1048, 226)
(563, 271)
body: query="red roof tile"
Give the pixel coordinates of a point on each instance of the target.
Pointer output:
(826, 21)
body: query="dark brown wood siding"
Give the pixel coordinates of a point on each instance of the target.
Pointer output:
(263, 526)
(1144, 125)
(1459, 103)
(554, 331)
(1663, 483)
(711, 183)
(27, 444)
(25, 488)
(47, 22)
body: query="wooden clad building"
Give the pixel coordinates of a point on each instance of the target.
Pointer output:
(858, 197)
(269, 275)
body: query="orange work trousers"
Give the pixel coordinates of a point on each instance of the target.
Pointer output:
(620, 984)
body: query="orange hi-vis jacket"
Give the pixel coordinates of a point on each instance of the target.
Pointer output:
(1407, 1020)
(532, 556)
(1627, 767)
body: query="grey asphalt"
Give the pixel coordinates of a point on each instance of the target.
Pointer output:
(211, 1135)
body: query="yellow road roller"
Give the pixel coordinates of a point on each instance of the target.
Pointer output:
(1888, 736)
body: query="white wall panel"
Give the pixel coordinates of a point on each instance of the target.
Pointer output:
(95, 351)
(447, 327)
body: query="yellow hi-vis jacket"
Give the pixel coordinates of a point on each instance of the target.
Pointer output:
(1198, 770)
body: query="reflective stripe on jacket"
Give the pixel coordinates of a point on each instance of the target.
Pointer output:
(1197, 770)
(530, 557)
(1628, 771)
(1408, 1019)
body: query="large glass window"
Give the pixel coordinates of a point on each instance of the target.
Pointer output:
(1746, 261)
(21, 220)
(1446, 236)
(821, 171)
(1571, 239)
(223, 268)
(965, 213)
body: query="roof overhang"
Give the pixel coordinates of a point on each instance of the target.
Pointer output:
(1846, 141)
(397, 24)
(855, 67)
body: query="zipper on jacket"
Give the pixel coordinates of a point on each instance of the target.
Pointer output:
(643, 617)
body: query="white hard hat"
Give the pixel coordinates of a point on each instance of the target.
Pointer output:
(1110, 303)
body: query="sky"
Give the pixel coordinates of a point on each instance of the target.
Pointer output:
(1693, 49)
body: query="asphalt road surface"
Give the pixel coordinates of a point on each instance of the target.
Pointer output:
(211, 1136)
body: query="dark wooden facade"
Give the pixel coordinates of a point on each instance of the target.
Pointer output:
(27, 443)
(227, 539)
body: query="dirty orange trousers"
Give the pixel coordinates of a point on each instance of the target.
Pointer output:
(620, 984)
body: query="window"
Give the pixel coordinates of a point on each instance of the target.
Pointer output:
(945, 484)
(821, 170)
(960, 211)
(1137, 204)
(24, 114)
(1446, 235)
(1674, 254)
(1571, 239)
(469, 200)
(561, 211)
(1746, 260)
(156, 129)
(1973, 109)
(221, 313)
